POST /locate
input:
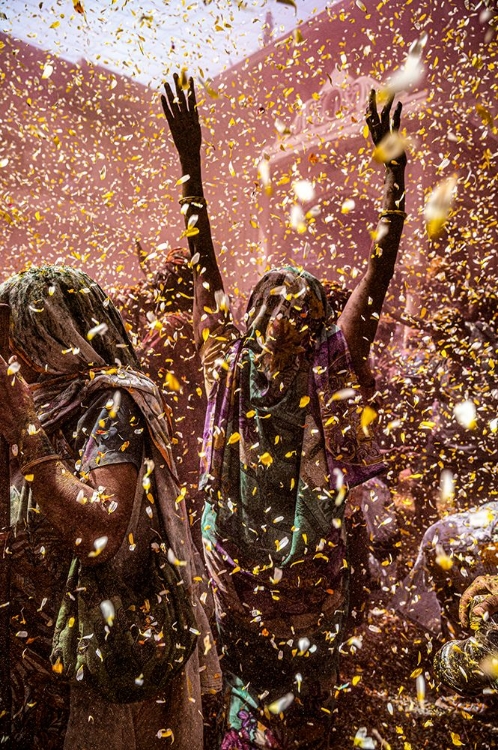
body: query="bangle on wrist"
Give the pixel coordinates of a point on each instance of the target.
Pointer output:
(28, 467)
(197, 200)
(393, 212)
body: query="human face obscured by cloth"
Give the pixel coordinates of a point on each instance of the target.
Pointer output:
(286, 310)
(63, 323)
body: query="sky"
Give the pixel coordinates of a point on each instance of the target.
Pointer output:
(147, 40)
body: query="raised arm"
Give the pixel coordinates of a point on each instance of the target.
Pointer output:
(361, 314)
(180, 108)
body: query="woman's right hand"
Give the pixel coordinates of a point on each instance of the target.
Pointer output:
(182, 115)
(381, 126)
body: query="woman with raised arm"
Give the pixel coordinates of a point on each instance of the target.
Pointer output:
(280, 451)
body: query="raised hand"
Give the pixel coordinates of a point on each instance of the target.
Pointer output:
(360, 316)
(381, 127)
(181, 112)
(180, 109)
(482, 585)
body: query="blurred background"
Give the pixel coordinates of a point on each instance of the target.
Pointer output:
(87, 166)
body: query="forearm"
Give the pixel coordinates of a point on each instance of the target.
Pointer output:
(389, 229)
(181, 112)
(207, 276)
(82, 514)
(394, 186)
(361, 315)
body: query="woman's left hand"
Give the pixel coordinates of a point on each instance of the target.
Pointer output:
(17, 410)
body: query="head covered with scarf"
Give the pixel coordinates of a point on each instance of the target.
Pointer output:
(277, 433)
(63, 325)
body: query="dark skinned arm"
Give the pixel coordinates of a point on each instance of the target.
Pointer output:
(360, 317)
(180, 109)
(74, 509)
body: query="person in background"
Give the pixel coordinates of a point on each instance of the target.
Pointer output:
(453, 551)
(158, 313)
(470, 666)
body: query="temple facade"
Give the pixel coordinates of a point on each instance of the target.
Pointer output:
(87, 166)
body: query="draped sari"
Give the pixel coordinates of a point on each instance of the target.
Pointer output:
(281, 447)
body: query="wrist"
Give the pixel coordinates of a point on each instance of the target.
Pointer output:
(393, 213)
(33, 446)
(396, 165)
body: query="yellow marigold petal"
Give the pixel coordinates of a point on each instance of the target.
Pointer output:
(266, 459)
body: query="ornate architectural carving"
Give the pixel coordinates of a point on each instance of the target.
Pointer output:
(337, 111)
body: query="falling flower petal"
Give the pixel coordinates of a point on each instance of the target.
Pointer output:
(282, 704)
(438, 205)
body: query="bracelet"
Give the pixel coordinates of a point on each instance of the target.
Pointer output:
(27, 468)
(393, 212)
(197, 200)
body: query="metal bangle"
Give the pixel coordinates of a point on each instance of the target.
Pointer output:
(393, 212)
(197, 200)
(27, 467)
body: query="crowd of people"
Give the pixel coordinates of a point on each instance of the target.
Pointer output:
(153, 598)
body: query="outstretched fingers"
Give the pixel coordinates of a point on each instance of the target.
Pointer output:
(181, 101)
(386, 112)
(168, 103)
(174, 104)
(372, 114)
(397, 116)
(192, 99)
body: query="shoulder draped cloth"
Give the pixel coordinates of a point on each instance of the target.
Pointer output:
(277, 459)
